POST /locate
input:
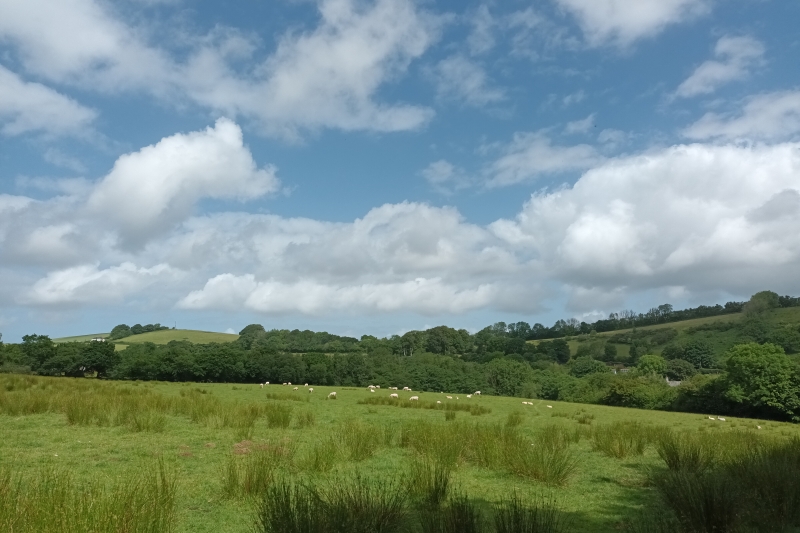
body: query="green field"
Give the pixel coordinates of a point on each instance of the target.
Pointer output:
(80, 338)
(108, 431)
(161, 337)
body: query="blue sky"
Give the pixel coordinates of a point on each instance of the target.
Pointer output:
(380, 166)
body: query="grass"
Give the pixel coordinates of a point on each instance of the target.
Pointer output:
(164, 336)
(225, 453)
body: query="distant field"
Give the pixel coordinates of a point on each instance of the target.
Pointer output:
(167, 335)
(108, 430)
(80, 338)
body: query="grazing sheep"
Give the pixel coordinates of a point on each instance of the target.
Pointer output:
(414, 398)
(711, 418)
(469, 395)
(294, 388)
(393, 395)
(372, 390)
(721, 419)
(290, 383)
(284, 383)
(306, 385)
(524, 403)
(477, 393)
(437, 401)
(267, 383)
(311, 389)
(406, 388)
(759, 427)
(262, 385)
(377, 386)
(392, 388)
(549, 406)
(449, 397)
(332, 395)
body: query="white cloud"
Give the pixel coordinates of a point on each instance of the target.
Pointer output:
(481, 38)
(460, 79)
(150, 190)
(580, 126)
(532, 155)
(736, 57)
(766, 116)
(621, 22)
(574, 98)
(87, 284)
(324, 78)
(696, 216)
(32, 107)
(56, 157)
(445, 177)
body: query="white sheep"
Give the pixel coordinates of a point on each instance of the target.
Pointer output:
(711, 418)
(414, 398)
(294, 388)
(311, 389)
(290, 383)
(469, 395)
(267, 383)
(372, 390)
(437, 401)
(477, 393)
(262, 385)
(393, 395)
(377, 386)
(449, 397)
(549, 406)
(406, 388)
(306, 385)
(721, 419)
(332, 395)
(759, 427)
(284, 383)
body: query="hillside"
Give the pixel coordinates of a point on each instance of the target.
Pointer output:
(159, 337)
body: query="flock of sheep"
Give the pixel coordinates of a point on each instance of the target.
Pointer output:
(372, 388)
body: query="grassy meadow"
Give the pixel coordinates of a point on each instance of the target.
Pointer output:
(163, 336)
(191, 457)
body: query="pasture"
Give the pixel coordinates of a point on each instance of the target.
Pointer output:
(224, 458)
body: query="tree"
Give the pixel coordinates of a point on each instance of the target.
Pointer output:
(680, 370)
(120, 332)
(561, 351)
(763, 378)
(38, 349)
(507, 376)
(761, 302)
(651, 364)
(583, 366)
(699, 353)
(609, 352)
(672, 351)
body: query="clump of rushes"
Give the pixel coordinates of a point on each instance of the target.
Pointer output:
(358, 440)
(458, 515)
(540, 516)
(251, 468)
(621, 439)
(547, 459)
(51, 500)
(278, 416)
(321, 456)
(449, 416)
(429, 481)
(514, 419)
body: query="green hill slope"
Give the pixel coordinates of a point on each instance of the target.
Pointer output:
(166, 335)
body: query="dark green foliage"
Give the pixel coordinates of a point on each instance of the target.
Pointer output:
(699, 354)
(609, 352)
(764, 379)
(583, 366)
(680, 370)
(429, 481)
(120, 332)
(459, 515)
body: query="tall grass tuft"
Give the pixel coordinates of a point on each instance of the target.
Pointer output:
(540, 516)
(278, 416)
(429, 482)
(514, 419)
(704, 502)
(321, 456)
(547, 459)
(250, 470)
(459, 515)
(684, 452)
(472, 408)
(358, 439)
(353, 504)
(621, 439)
(53, 501)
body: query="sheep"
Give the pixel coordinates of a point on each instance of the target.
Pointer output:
(332, 395)
(469, 395)
(306, 385)
(294, 388)
(711, 418)
(549, 406)
(377, 386)
(437, 401)
(370, 386)
(284, 383)
(414, 398)
(759, 427)
(721, 419)
(524, 403)
(477, 393)
(290, 383)
(266, 383)
(372, 390)
(262, 385)
(393, 395)
(449, 397)
(311, 389)
(392, 388)
(406, 388)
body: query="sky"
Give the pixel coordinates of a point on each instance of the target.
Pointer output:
(378, 166)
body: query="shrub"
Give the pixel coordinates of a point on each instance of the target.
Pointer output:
(620, 439)
(516, 516)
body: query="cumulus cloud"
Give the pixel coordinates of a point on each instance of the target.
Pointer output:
(771, 116)
(324, 78)
(446, 177)
(621, 22)
(150, 190)
(580, 126)
(481, 37)
(736, 56)
(88, 284)
(695, 216)
(32, 107)
(532, 155)
(463, 80)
